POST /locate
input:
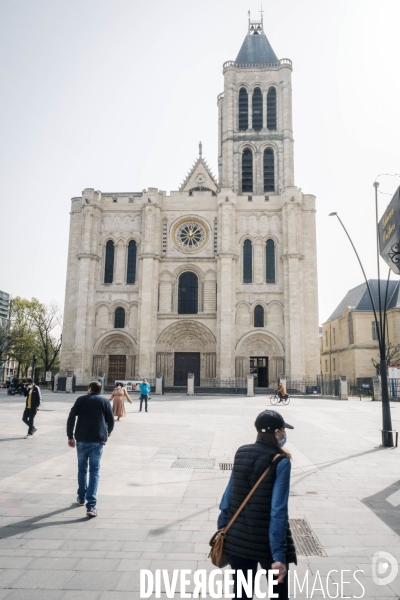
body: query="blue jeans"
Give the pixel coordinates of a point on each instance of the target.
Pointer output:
(89, 453)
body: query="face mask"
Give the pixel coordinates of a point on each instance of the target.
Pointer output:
(283, 441)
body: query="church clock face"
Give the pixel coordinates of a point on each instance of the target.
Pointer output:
(190, 235)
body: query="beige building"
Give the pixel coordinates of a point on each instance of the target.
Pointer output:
(349, 339)
(218, 278)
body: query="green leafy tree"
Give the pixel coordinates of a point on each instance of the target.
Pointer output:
(4, 342)
(22, 336)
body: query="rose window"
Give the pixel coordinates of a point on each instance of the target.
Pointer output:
(190, 235)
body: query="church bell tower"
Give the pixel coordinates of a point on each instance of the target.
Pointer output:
(255, 119)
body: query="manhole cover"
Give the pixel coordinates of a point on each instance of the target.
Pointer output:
(193, 463)
(305, 540)
(226, 466)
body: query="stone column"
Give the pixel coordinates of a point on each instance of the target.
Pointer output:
(293, 293)
(226, 273)
(148, 290)
(258, 261)
(119, 263)
(84, 321)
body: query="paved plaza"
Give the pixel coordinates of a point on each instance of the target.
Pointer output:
(152, 516)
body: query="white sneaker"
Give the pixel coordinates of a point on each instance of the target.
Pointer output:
(27, 437)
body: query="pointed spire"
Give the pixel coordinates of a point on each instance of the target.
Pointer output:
(200, 149)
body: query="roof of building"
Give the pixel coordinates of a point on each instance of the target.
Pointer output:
(357, 299)
(256, 47)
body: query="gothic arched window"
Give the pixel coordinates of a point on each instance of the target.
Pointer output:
(247, 262)
(258, 316)
(243, 110)
(131, 266)
(247, 170)
(271, 108)
(270, 261)
(109, 262)
(188, 294)
(119, 318)
(257, 109)
(269, 170)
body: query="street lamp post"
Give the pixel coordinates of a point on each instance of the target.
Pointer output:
(387, 434)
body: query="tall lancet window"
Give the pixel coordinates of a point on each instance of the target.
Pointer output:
(257, 109)
(270, 261)
(109, 262)
(247, 262)
(247, 170)
(131, 268)
(271, 108)
(269, 170)
(258, 316)
(243, 110)
(188, 294)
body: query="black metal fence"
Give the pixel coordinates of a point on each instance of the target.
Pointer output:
(361, 387)
(319, 386)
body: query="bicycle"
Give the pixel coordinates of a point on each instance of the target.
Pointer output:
(275, 399)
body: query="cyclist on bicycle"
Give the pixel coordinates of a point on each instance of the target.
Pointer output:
(281, 391)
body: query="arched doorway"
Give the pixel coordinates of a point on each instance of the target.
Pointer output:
(186, 347)
(262, 355)
(114, 358)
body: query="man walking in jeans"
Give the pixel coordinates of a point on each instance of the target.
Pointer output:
(93, 428)
(144, 394)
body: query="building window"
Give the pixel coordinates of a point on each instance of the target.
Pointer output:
(270, 261)
(247, 170)
(115, 199)
(258, 316)
(271, 108)
(188, 294)
(109, 262)
(334, 335)
(374, 330)
(257, 109)
(131, 268)
(334, 364)
(243, 110)
(326, 366)
(351, 329)
(269, 170)
(326, 338)
(247, 262)
(119, 318)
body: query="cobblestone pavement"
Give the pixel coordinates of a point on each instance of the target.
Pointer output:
(153, 516)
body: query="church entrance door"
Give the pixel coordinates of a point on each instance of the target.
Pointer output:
(259, 368)
(116, 368)
(186, 362)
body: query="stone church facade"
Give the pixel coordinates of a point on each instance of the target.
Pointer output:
(218, 278)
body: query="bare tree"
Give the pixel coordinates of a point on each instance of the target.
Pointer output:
(392, 358)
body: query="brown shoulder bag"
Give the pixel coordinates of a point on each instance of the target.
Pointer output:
(219, 557)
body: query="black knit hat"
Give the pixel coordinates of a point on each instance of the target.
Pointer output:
(269, 420)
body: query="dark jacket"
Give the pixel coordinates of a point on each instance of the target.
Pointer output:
(248, 537)
(35, 402)
(95, 419)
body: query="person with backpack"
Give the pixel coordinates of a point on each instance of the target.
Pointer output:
(144, 393)
(33, 401)
(261, 532)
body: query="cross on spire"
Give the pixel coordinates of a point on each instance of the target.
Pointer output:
(262, 13)
(200, 149)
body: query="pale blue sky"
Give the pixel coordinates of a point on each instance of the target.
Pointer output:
(116, 94)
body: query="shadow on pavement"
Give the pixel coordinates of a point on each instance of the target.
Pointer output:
(325, 465)
(385, 505)
(31, 523)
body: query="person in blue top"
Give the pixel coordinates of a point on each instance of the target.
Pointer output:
(261, 533)
(144, 394)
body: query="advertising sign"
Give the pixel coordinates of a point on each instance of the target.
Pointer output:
(389, 234)
(48, 375)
